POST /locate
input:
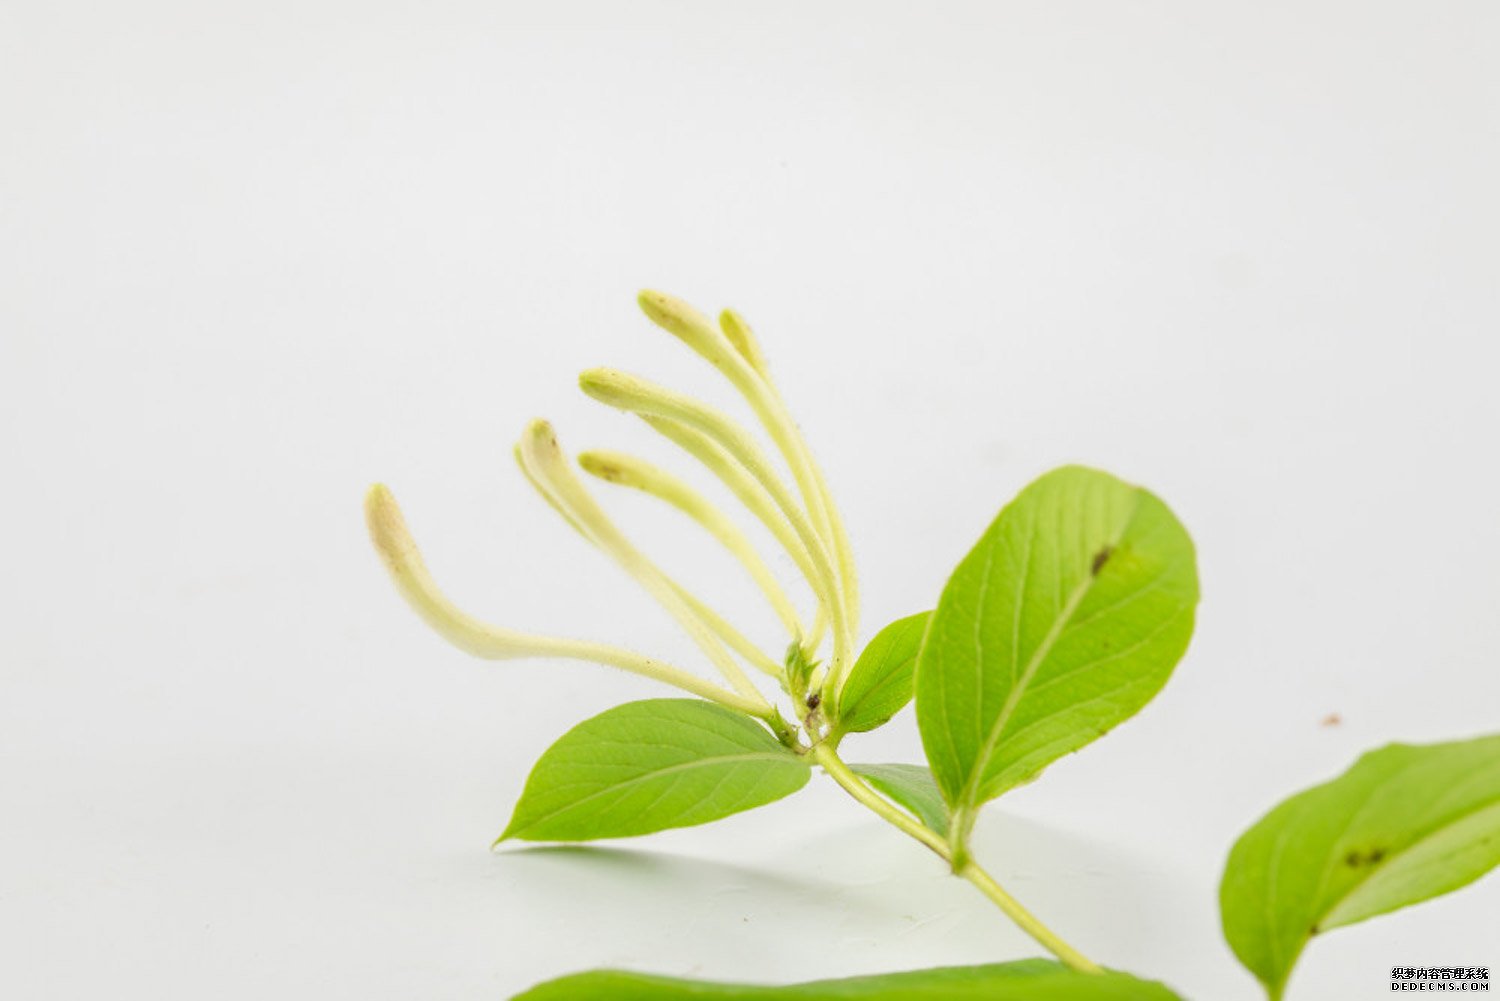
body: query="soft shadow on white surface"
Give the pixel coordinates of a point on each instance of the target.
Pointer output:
(875, 902)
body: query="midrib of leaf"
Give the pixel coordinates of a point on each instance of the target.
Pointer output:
(1034, 663)
(1123, 652)
(669, 770)
(1327, 920)
(1273, 899)
(1357, 815)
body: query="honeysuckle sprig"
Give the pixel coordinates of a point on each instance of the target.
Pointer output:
(399, 552)
(808, 526)
(1063, 621)
(968, 735)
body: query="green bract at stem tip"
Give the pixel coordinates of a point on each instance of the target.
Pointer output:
(403, 560)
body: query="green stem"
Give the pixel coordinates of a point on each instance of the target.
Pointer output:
(969, 870)
(855, 786)
(1046, 937)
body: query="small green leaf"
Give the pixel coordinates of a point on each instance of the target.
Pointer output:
(798, 667)
(1405, 824)
(646, 766)
(1064, 620)
(1026, 980)
(912, 787)
(880, 683)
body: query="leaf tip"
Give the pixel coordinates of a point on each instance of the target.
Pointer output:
(512, 832)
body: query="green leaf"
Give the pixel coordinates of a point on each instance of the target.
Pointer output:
(880, 683)
(1064, 620)
(912, 787)
(1405, 824)
(646, 766)
(1026, 980)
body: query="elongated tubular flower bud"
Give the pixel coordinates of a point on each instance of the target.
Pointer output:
(748, 491)
(726, 632)
(739, 334)
(398, 551)
(546, 495)
(626, 392)
(545, 464)
(628, 471)
(732, 637)
(815, 635)
(720, 349)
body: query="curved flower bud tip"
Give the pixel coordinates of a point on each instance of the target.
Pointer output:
(739, 334)
(539, 440)
(628, 471)
(680, 320)
(621, 390)
(398, 551)
(607, 466)
(388, 531)
(543, 460)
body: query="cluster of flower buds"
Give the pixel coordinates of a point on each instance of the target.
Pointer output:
(801, 518)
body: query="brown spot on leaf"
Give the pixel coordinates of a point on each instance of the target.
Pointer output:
(1100, 558)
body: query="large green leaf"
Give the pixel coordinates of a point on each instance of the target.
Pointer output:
(1405, 824)
(646, 766)
(880, 683)
(910, 786)
(1064, 620)
(1027, 980)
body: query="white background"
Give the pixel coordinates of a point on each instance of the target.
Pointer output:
(254, 257)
